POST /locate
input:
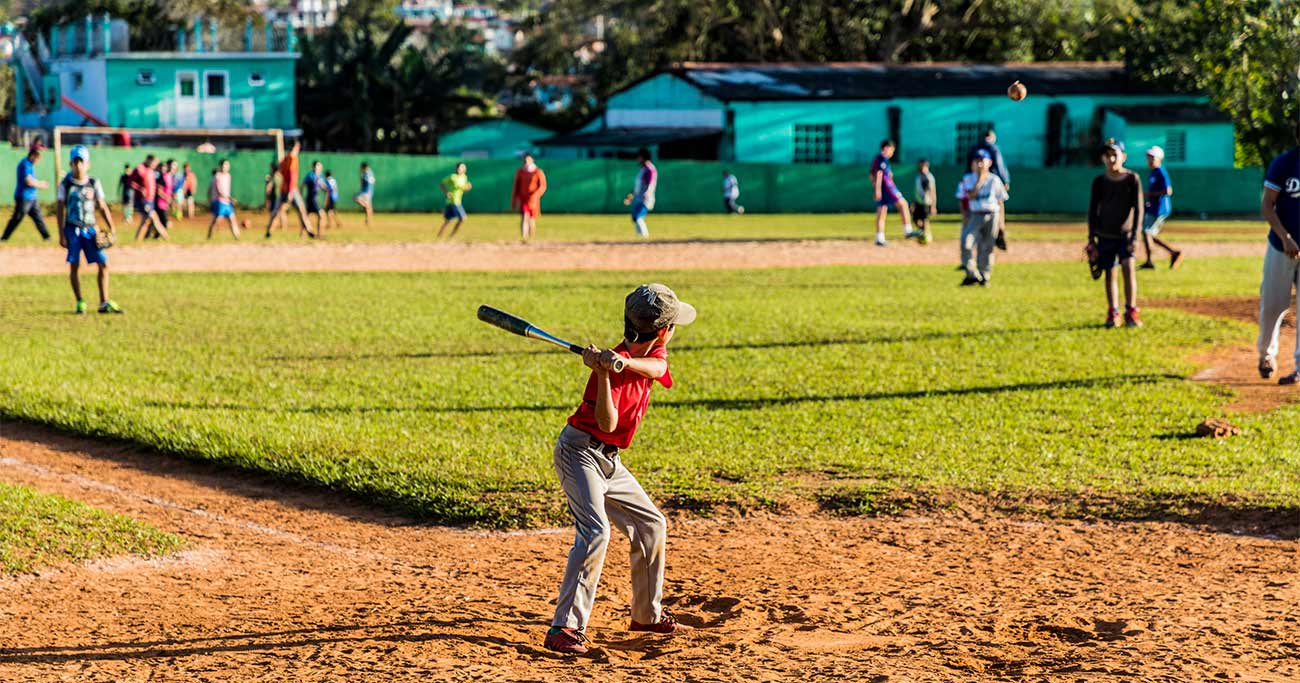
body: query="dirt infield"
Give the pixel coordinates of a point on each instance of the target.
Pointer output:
(504, 256)
(286, 585)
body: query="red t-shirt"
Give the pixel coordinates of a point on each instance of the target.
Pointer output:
(289, 174)
(143, 182)
(631, 394)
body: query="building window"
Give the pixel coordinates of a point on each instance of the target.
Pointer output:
(78, 80)
(969, 133)
(812, 143)
(216, 84)
(256, 78)
(1176, 145)
(144, 77)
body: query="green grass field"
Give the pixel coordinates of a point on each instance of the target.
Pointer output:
(39, 529)
(849, 386)
(612, 228)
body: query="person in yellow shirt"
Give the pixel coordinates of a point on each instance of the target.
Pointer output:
(454, 188)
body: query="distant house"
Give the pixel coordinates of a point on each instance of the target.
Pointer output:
(839, 112)
(1191, 135)
(86, 74)
(495, 139)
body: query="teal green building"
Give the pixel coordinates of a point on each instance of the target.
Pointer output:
(494, 139)
(838, 113)
(85, 74)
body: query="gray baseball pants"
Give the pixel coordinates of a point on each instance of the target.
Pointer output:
(1281, 273)
(601, 491)
(978, 236)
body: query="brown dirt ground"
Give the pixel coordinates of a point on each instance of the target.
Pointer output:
(280, 585)
(502, 256)
(1236, 366)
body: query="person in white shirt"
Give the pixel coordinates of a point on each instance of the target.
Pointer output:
(220, 199)
(731, 193)
(985, 213)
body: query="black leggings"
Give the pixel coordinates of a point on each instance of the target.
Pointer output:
(26, 207)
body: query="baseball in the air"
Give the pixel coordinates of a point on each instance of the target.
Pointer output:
(1017, 91)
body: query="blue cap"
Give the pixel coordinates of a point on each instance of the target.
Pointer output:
(1114, 144)
(79, 152)
(983, 154)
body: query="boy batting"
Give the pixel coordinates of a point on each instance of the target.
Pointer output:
(601, 492)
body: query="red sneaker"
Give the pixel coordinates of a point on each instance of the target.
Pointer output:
(1131, 317)
(569, 641)
(666, 624)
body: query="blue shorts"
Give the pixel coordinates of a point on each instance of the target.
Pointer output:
(222, 209)
(889, 196)
(82, 241)
(456, 211)
(143, 205)
(639, 211)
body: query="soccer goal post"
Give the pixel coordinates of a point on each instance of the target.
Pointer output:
(206, 134)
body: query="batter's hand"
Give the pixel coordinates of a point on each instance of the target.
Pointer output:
(591, 357)
(607, 359)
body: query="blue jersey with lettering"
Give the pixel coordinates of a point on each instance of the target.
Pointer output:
(1284, 176)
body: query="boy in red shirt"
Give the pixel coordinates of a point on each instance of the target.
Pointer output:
(526, 196)
(599, 488)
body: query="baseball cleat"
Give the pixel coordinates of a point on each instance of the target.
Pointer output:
(1175, 259)
(1287, 380)
(569, 641)
(970, 280)
(1132, 317)
(880, 241)
(81, 308)
(1265, 368)
(1112, 319)
(666, 624)
(109, 307)
(1147, 266)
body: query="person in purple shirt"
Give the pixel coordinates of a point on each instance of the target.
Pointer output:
(1281, 210)
(887, 194)
(25, 193)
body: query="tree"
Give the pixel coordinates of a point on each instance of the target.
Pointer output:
(153, 22)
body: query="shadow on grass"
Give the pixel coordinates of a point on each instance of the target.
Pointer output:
(695, 348)
(702, 403)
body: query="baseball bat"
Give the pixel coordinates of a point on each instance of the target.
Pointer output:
(523, 328)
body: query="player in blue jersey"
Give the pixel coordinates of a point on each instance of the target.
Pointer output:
(887, 194)
(1281, 210)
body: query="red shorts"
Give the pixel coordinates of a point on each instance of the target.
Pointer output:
(531, 210)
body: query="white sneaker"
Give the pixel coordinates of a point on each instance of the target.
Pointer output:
(880, 241)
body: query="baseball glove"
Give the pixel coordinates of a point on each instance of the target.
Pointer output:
(627, 199)
(103, 239)
(1001, 241)
(1094, 260)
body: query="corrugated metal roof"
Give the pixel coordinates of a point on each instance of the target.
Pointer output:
(627, 137)
(869, 80)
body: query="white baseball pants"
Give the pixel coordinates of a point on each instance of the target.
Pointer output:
(1281, 273)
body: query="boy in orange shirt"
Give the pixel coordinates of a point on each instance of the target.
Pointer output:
(526, 197)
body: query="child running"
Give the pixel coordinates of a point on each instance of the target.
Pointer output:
(1158, 207)
(601, 492)
(454, 187)
(526, 196)
(887, 194)
(985, 218)
(314, 184)
(366, 197)
(144, 185)
(643, 192)
(269, 189)
(80, 196)
(223, 204)
(1114, 221)
(288, 172)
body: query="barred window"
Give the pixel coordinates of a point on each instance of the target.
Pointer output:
(968, 133)
(1176, 145)
(812, 143)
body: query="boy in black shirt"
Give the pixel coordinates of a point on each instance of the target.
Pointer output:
(1114, 222)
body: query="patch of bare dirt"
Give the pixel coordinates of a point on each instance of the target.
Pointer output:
(286, 585)
(548, 256)
(1236, 366)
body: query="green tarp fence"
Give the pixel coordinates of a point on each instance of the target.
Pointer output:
(410, 183)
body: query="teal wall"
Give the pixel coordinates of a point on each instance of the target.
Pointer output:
(503, 139)
(1206, 144)
(409, 183)
(137, 106)
(664, 91)
(764, 130)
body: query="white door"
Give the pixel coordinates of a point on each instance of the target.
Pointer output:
(216, 99)
(187, 99)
